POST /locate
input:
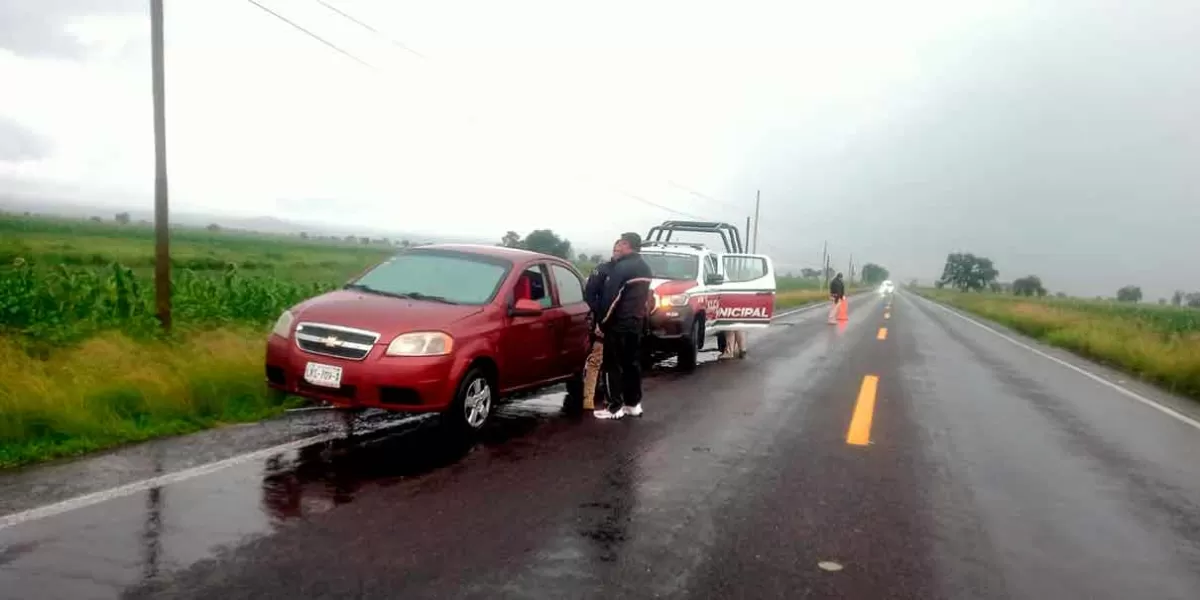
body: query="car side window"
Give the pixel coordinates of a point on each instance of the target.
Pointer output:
(533, 284)
(710, 267)
(570, 288)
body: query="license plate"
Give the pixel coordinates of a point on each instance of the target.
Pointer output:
(323, 375)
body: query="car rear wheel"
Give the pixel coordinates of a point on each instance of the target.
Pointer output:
(689, 346)
(473, 403)
(573, 401)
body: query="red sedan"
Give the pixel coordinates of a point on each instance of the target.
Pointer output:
(444, 328)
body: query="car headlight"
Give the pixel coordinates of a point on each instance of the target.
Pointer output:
(670, 300)
(283, 325)
(424, 343)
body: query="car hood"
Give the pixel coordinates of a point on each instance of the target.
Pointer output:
(384, 314)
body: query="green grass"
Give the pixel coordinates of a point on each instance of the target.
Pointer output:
(1155, 343)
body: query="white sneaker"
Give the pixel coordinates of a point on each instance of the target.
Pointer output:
(633, 411)
(604, 413)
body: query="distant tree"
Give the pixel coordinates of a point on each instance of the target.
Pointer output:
(122, 218)
(595, 259)
(810, 273)
(405, 243)
(1060, 295)
(1192, 299)
(304, 235)
(213, 227)
(366, 241)
(1029, 286)
(547, 242)
(873, 274)
(1129, 293)
(1162, 301)
(351, 238)
(97, 219)
(583, 257)
(511, 239)
(968, 272)
(1177, 298)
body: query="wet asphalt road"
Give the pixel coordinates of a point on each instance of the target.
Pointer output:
(990, 472)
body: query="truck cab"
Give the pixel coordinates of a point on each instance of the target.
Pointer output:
(699, 292)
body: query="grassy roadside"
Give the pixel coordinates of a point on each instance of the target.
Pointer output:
(1160, 345)
(112, 389)
(787, 299)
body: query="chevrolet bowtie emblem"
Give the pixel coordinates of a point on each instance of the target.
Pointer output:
(332, 341)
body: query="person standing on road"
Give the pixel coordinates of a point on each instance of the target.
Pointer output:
(626, 303)
(593, 292)
(837, 293)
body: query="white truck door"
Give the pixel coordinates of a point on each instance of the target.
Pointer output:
(747, 296)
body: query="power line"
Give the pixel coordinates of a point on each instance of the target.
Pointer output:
(659, 206)
(703, 196)
(314, 36)
(377, 32)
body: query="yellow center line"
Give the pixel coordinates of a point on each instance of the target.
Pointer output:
(882, 334)
(859, 433)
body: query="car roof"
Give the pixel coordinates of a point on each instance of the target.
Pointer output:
(692, 249)
(513, 254)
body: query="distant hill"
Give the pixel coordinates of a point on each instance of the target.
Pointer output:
(263, 224)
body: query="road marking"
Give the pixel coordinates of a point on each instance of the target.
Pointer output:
(1170, 412)
(859, 433)
(882, 334)
(129, 489)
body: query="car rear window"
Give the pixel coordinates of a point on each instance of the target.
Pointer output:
(460, 278)
(672, 266)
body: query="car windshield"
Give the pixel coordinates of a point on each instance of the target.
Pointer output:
(672, 266)
(453, 278)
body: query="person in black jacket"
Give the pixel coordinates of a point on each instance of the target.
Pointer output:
(593, 294)
(625, 300)
(837, 293)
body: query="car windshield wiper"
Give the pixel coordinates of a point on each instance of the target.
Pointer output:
(427, 297)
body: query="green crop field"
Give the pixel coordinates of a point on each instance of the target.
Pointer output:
(1160, 344)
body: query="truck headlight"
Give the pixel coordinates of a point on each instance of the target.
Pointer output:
(283, 325)
(421, 343)
(671, 300)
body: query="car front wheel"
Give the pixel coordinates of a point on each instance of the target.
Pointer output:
(689, 347)
(473, 403)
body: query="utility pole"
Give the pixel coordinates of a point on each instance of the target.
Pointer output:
(162, 248)
(747, 248)
(825, 263)
(851, 269)
(757, 200)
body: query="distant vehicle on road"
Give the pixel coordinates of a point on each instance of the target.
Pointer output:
(449, 329)
(699, 292)
(886, 288)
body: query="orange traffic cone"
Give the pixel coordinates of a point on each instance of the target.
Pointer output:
(842, 314)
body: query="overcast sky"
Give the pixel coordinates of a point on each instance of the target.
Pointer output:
(1058, 138)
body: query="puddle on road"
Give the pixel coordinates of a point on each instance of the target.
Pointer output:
(105, 549)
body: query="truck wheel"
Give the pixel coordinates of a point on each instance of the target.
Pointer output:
(689, 347)
(473, 403)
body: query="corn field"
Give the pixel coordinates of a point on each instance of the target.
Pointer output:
(64, 303)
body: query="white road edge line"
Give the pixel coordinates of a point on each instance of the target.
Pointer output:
(129, 489)
(1166, 410)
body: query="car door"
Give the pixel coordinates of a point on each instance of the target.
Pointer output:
(529, 344)
(571, 318)
(747, 296)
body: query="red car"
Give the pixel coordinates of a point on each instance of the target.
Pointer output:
(444, 328)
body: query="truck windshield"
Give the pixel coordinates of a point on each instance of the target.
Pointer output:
(447, 277)
(672, 266)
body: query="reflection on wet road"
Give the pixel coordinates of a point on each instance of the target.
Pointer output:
(975, 469)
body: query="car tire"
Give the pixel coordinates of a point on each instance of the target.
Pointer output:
(474, 402)
(689, 347)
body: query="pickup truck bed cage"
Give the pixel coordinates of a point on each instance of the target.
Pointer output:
(661, 234)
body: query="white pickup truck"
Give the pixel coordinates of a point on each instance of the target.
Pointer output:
(699, 292)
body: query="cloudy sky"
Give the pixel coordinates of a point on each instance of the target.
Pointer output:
(1058, 138)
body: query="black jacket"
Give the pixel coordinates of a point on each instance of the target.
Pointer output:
(593, 290)
(625, 298)
(837, 289)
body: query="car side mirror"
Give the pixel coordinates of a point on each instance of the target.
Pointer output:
(525, 308)
(714, 279)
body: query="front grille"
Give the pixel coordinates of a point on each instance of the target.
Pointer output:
(334, 340)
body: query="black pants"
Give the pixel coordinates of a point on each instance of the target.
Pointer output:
(623, 368)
